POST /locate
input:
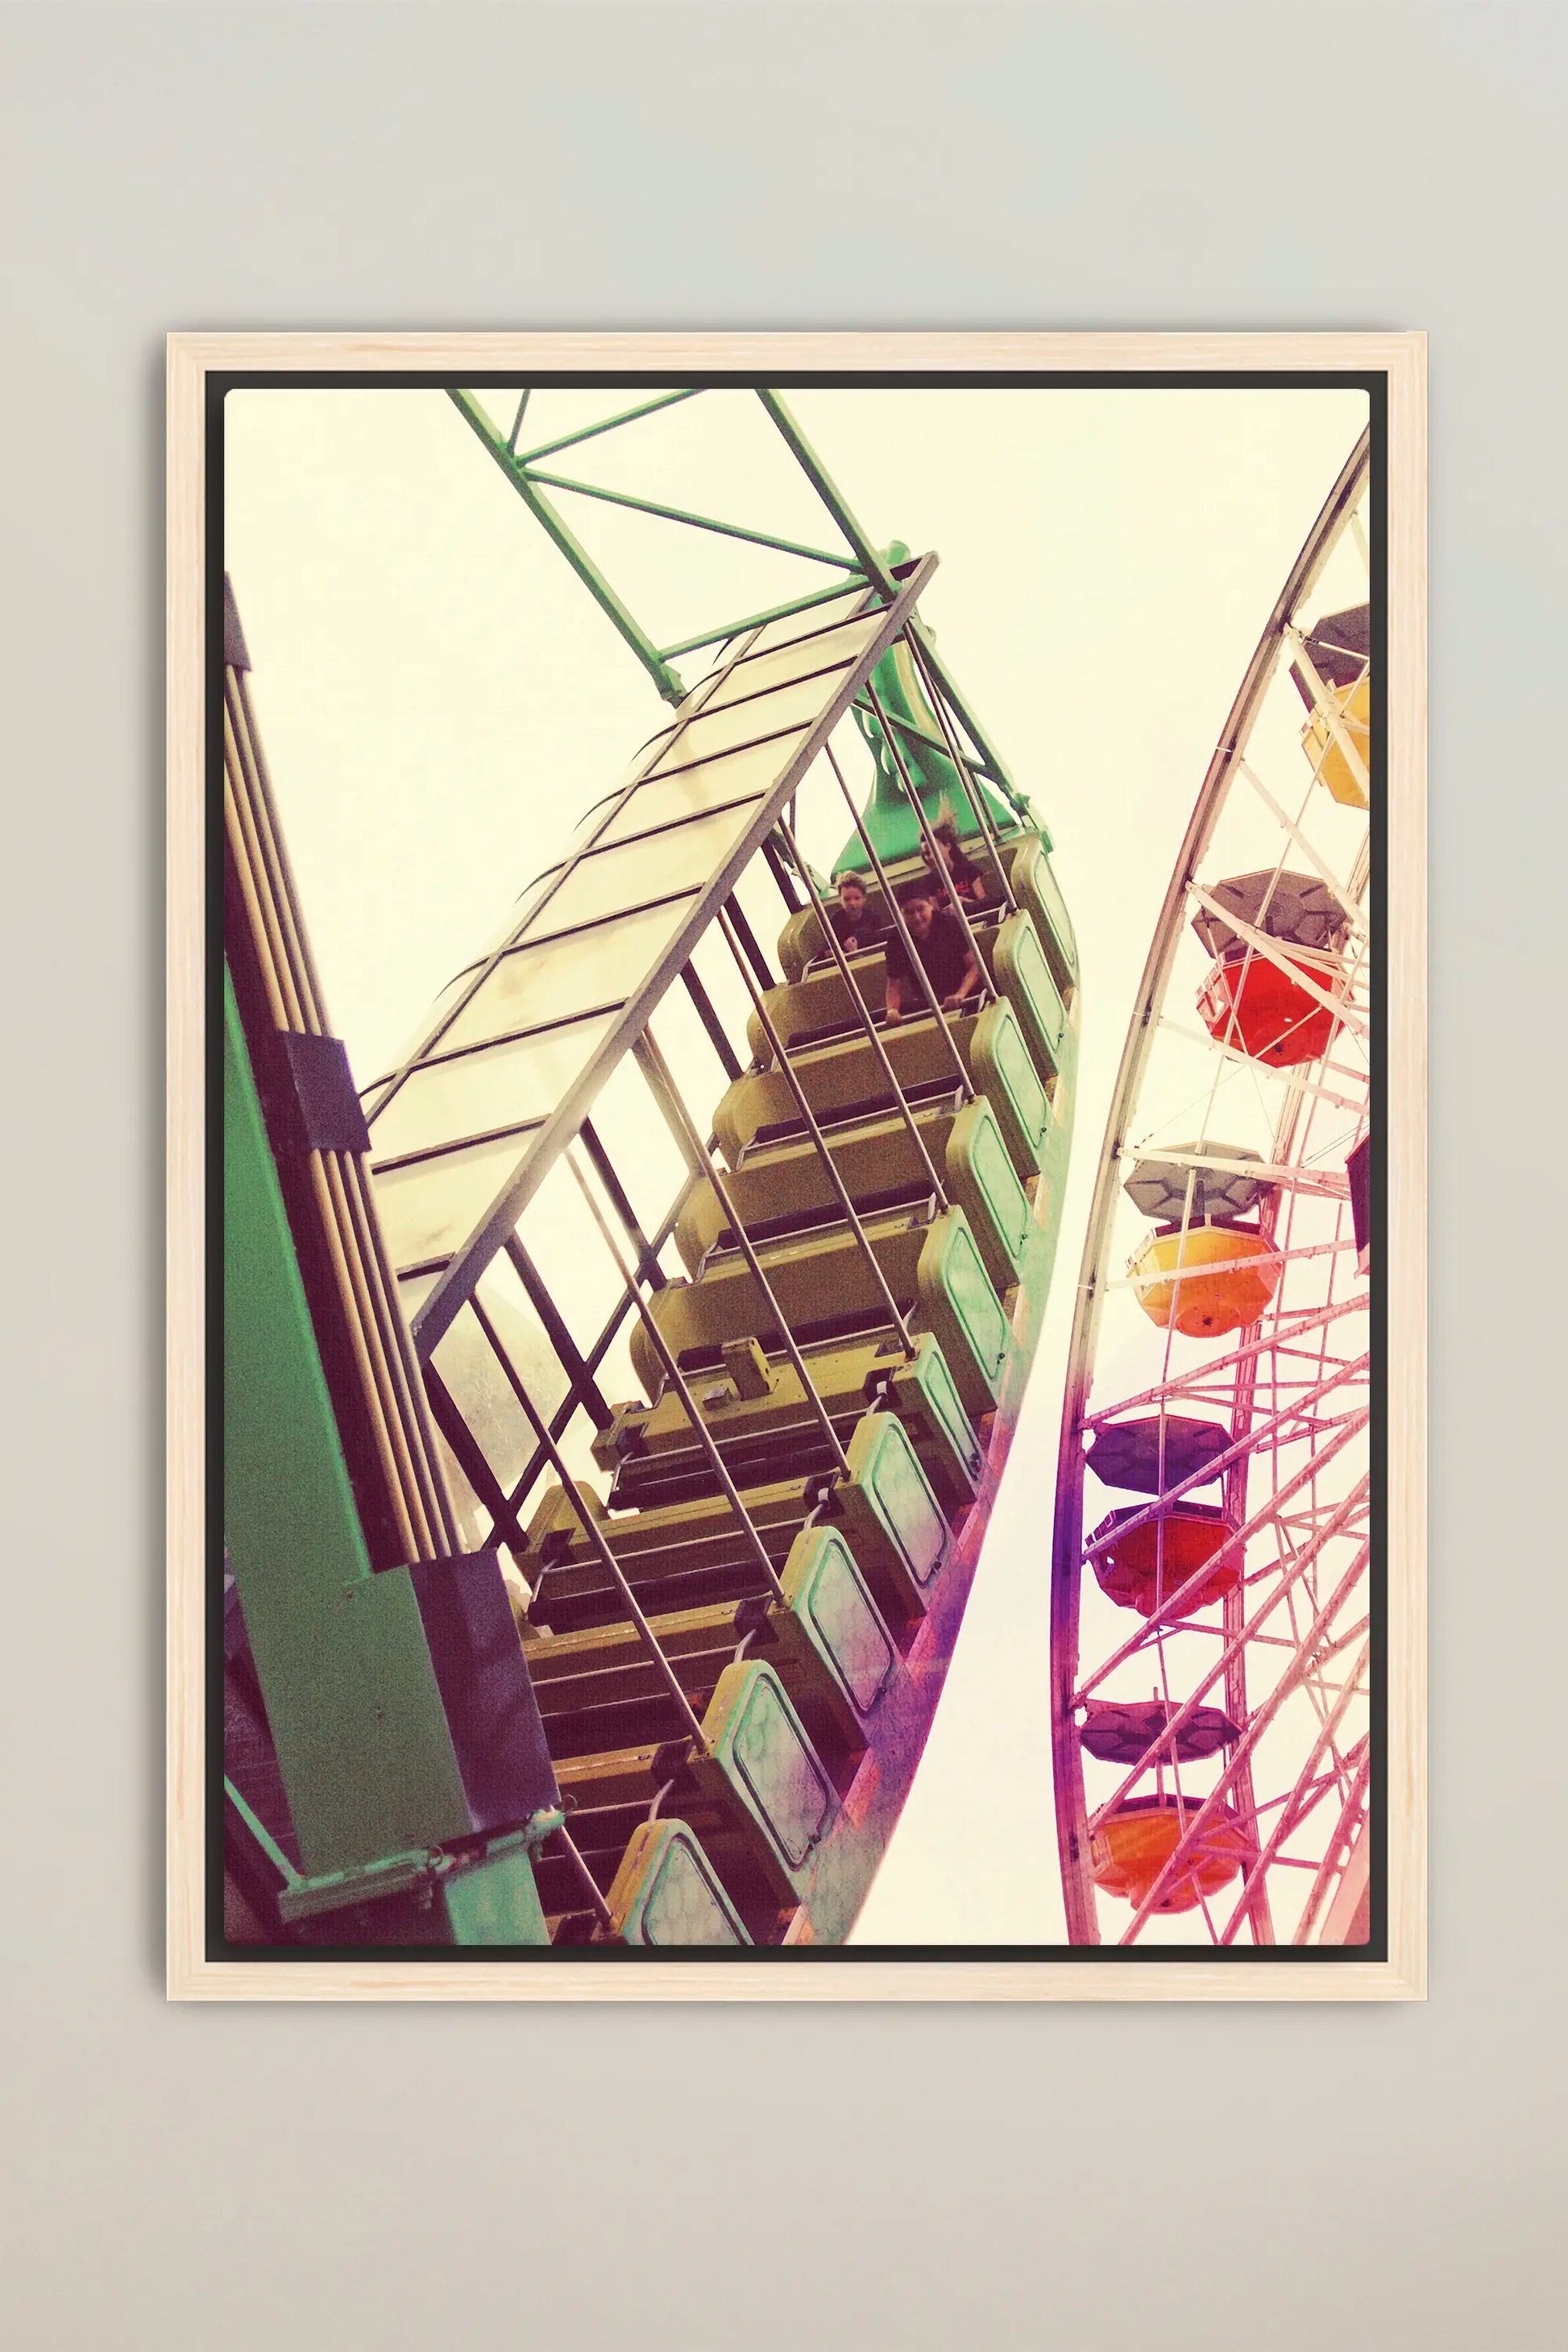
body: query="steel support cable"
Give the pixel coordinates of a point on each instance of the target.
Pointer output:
(585, 1877)
(702, 1005)
(776, 866)
(1283, 1689)
(700, 1428)
(1354, 912)
(889, 899)
(595, 1533)
(814, 1130)
(1200, 1375)
(987, 986)
(581, 1376)
(1351, 1822)
(975, 791)
(1233, 1606)
(867, 1017)
(1246, 1065)
(747, 938)
(472, 1462)
(702, 1161)
(648, 1267)
(1294, 1811)
(1281, 1256)
(1303, 1799)
(1289, 1138)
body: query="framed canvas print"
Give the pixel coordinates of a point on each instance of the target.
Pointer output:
(796, 1028)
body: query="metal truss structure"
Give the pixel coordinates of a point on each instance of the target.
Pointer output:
(856, 558)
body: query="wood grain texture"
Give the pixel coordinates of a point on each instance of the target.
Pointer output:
(190, 1976)
(1404, 1273)
(185, 1210)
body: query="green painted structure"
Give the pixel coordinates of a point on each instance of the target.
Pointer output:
(361, 1735)
(906, 717)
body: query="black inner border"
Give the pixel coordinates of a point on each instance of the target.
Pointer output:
(1375, 384)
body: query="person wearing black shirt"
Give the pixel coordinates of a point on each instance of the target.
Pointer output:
(943, 949)
(858, 926)
(955, 878)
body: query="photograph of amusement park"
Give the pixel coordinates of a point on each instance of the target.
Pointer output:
(799, 1036)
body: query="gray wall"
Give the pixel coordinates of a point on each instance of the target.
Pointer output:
(1077, 2178)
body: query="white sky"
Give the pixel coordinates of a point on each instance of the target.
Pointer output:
(439, 698)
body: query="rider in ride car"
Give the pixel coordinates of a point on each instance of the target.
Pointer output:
(858, 924)
(943, 950)
(957, 877)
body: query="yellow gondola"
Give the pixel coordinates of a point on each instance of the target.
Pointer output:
(1205, 1281)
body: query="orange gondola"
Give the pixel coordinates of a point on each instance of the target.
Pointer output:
(1134, 1843)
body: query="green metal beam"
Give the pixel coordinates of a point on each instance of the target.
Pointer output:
(697, 522)
(587, 571)
(495, 1898)
(868, 557)
(991, 760)
(487, 1897)
(756, 619)
(263, 1836)
(355, 1709)
(345, 1670)
(873, 564)
(914, 734)
(626, 417)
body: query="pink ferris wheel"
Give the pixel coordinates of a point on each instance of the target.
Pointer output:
(1214, 1641)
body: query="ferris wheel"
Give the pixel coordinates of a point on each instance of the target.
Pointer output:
(1213, 1639)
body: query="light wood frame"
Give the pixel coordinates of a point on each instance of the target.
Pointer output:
(1402, 358)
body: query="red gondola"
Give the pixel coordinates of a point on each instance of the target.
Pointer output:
(1141, 1568)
